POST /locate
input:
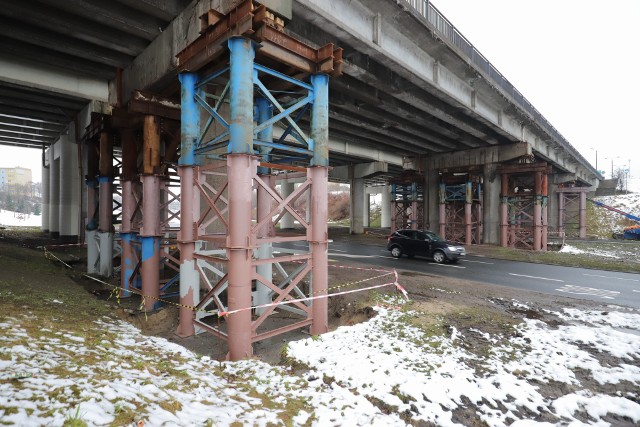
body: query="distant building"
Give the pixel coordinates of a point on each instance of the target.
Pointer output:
(14, 176)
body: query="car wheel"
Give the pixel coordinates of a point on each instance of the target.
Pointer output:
(396, 252)
(438, 256)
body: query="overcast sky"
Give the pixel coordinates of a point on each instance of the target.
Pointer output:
(576, 61)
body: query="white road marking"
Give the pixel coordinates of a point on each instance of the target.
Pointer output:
(354, 256)
(579, 290)
(336, 250)
(610, 277)
(479, 262)
(387, 257)
(449, 265)
(634, 290)
(535, 277)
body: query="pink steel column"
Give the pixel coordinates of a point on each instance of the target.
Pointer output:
(504, 211)
(537, 212)
(241, 166)
(319, 173)
(189, 203)
(545, 217)
(129, 169)
(583, 215)
(561, 211)
(150, 231)
(467, 212)
(442, 210)
(240, 170)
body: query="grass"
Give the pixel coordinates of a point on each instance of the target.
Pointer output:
(560, 258)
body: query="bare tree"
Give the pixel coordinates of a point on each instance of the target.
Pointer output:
(621, 179)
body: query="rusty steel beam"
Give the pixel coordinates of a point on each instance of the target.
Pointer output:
(257, 24)
(156, 105)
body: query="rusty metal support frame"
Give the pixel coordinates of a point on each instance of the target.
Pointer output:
(524, 200)
(460, 208)
(407, 203)
(227, 262)
(572, 211)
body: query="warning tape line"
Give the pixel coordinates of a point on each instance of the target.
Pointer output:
(219, 313)
(292, 301)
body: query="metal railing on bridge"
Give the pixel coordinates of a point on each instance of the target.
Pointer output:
(436, 21)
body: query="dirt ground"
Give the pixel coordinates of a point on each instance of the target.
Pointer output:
(464, 304)
(30, 280)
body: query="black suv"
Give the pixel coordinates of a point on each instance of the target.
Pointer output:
(426, 243)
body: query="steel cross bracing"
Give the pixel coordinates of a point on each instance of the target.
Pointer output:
(461, 208)
(524, 206)
(228, 245)
(407, 204)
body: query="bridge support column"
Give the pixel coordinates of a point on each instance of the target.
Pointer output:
(45, 192)
(54, 192)
(357, 208)
(468, 238)
(545, 216)
(442, 211)
(105, 215)
(366, 209)
(239, 170)
(583, 215)
(319, 173)
(69, 189)
(537, 212)
(385, 208)
(491, 205)
(150, 232)
(129, 160)
(504, 210)
(189, 205)
(561, 212)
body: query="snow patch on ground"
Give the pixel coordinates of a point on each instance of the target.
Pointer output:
(15, 219)
(568, 249)
(384, 372)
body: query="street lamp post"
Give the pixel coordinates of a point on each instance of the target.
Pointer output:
(596, 158)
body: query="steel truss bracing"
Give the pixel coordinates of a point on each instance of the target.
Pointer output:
(524, 200)
(230, 163)
(461, 208)
(407, 202)
(572, 205)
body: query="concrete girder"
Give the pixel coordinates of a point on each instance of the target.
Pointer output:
(396, 51)
(479, 156)
(114, 15)
(40, 77)
(358, 171)
(62, 43)
(29, 124)
(354, 149)
(395, 134)
(91, 32)
(17, 50)
(389, 138)
(10, 93)
(418, 96)
(161, 9)
(423, 129)
(435, 131)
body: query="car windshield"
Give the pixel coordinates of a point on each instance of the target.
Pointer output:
(433, 236)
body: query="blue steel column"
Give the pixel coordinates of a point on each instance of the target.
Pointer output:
(319, 171)
(265, 251)
(239, 164)
(189, 205)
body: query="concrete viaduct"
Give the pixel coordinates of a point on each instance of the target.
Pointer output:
(414, 112)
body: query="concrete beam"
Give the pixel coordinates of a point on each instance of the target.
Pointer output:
(479, 156)
(358, 171)
(29, 74)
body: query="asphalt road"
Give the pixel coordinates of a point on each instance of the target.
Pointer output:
(598, 285)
